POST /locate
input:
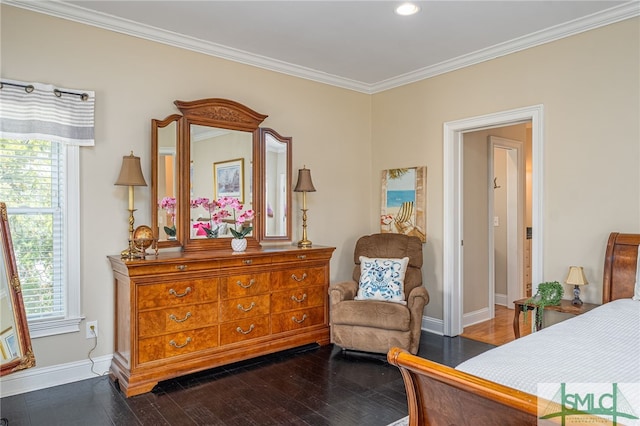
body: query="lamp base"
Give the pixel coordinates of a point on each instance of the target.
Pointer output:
(576, 296)
(304, 243)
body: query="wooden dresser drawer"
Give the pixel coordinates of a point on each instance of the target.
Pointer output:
(296, 277)
(238, 331)
(297, 298)
(294, 320)
(177, 318)
(170, 345)
(246, 307)
(244, 285)
(177, 293)
(245, 261)
(299, 256)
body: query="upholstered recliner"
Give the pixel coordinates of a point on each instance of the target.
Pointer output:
(373, 325)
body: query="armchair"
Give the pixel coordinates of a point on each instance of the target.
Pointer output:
(374, 325)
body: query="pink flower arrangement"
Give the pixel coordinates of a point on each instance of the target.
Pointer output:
(169, 204)
(219, 210)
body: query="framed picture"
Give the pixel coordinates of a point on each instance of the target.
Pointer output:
(404, 202)
(228, 179)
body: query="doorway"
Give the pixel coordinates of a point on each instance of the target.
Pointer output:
(493, 219)
(454, 206)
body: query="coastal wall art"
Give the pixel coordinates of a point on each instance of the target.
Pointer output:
(404, 202)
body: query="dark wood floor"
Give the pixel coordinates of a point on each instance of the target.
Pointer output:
(308, 386)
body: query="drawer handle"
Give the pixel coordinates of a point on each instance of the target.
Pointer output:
(186, 291)
(242, 308)
(175, 345)
(247, 261)
(251, 282)
(239, 330)
(295, 299)
(186, 317)
(294, 319)
(302, 256)
(304, 276)
(181, 267)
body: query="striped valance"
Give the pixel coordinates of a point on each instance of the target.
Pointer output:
(45, 112)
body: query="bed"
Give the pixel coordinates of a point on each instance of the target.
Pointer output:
(478, 392)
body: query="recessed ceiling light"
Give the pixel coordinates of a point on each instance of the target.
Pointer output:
(406, 9)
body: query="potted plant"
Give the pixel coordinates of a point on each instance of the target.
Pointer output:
(549, 294)
(169, 204)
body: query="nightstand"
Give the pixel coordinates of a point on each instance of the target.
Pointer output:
(565, 307)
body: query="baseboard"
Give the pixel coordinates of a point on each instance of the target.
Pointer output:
(45, 377)
(475, 317)
(500, 299)
(433, 325)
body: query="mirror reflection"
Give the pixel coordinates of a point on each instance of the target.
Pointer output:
(167, 184)
(164, 179)
(15, 342)
(221, 190)
(277, 188)
(9, 341)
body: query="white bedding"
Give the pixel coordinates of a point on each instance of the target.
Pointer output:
(599, 346)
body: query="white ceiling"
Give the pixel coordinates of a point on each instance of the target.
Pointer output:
(360, 45)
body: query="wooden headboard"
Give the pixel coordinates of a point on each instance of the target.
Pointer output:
(620, 262)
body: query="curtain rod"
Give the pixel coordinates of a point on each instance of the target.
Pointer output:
(29, 88)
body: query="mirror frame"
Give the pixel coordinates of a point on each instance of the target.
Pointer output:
(263, 160)
(27, 358)
(155, 153)
(224, 114)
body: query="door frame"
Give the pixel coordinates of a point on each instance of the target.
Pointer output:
(453, 206)
(515, 223)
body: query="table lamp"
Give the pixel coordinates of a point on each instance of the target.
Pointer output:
(130, 175)
(576, 278)
(304, 185)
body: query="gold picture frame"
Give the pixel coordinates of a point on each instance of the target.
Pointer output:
(404, 202)
(228, 179)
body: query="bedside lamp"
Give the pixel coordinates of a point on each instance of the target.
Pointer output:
(304, 185)
(130, 175)
(576, 278)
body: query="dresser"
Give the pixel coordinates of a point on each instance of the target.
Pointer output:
(181, 313)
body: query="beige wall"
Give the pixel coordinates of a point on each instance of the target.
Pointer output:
(589, 87)
(587, 83)
(137, 80)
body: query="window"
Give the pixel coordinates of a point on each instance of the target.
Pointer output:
(34, 184)
(41, 129)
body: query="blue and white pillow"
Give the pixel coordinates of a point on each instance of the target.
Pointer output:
(382, 279)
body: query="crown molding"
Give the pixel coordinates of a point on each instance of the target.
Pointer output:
(89, 17)
(610, 16)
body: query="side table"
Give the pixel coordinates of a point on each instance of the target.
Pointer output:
(565, 307)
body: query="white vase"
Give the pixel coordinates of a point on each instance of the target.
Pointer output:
(238, 244)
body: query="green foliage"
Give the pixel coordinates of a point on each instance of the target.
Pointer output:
(27, 183)
(170, 231)
(549, 294)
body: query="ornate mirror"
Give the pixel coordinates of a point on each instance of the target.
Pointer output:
(220, 139)
(215, 149)
(15, 341)
(276, 166)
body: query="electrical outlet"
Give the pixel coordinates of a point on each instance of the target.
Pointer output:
(92, 329)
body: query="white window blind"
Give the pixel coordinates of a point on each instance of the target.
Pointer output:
(32, 174)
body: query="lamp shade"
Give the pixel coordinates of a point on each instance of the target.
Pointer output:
(304, 181)
(131, 172)
(576, 276)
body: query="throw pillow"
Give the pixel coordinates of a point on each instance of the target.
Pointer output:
(382, 279)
